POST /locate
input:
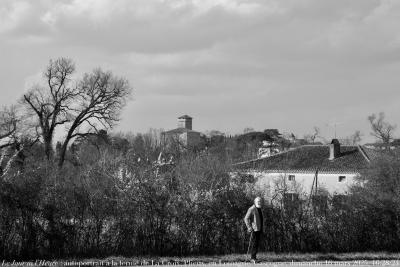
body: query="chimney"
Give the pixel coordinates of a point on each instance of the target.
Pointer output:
(334, 149)
(185, 121)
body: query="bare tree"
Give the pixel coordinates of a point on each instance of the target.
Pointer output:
(98, 102)
(356, 137)
(13, 138)
(381, 129)
(84, 107)
(50, 106)
(312, 137)
(8, 126)
(353, 139)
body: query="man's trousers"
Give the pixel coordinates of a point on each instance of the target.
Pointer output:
(255, 243)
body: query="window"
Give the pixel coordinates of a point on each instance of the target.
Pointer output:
(291, 178)
(342, 179)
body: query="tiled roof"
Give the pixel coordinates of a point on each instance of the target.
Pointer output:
(309, 158)
(371, 153)
(179, 131)
(185, 117)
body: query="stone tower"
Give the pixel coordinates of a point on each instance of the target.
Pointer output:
(185, 121)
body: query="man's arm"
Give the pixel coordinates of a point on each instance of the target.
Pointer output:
(247, 220)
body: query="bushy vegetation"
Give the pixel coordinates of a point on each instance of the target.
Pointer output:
(115, 196)
(111, 200)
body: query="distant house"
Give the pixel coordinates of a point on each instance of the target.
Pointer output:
(395, 144)
(268, 148)
(309, 168)
(183, 136)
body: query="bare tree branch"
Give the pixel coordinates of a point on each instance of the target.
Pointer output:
(95, 101)
(50, 106)
(8, 126)
(312, 137)
(100, 100)
(381, 129)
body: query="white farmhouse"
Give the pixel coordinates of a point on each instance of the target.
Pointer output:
(309, 168)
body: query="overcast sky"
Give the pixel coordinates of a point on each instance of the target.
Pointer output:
(230, 64)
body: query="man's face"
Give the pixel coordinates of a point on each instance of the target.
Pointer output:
(257, 202)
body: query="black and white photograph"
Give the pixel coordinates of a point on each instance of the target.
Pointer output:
(199, 132)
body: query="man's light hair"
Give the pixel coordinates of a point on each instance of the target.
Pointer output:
(257, 199)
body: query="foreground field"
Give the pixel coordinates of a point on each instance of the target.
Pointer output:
(233, 260)
(113, 263)
(302, 264)
(377, 258)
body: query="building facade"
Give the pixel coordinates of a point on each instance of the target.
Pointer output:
(309, 169)
(184, 137)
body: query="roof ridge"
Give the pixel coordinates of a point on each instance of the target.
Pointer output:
(326, 145)
(183, 129)
(254, 160)
(274, 155)
(361, 150)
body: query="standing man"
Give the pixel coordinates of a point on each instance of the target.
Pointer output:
(254, 223)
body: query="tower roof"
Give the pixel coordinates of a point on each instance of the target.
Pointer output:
(185, 117)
